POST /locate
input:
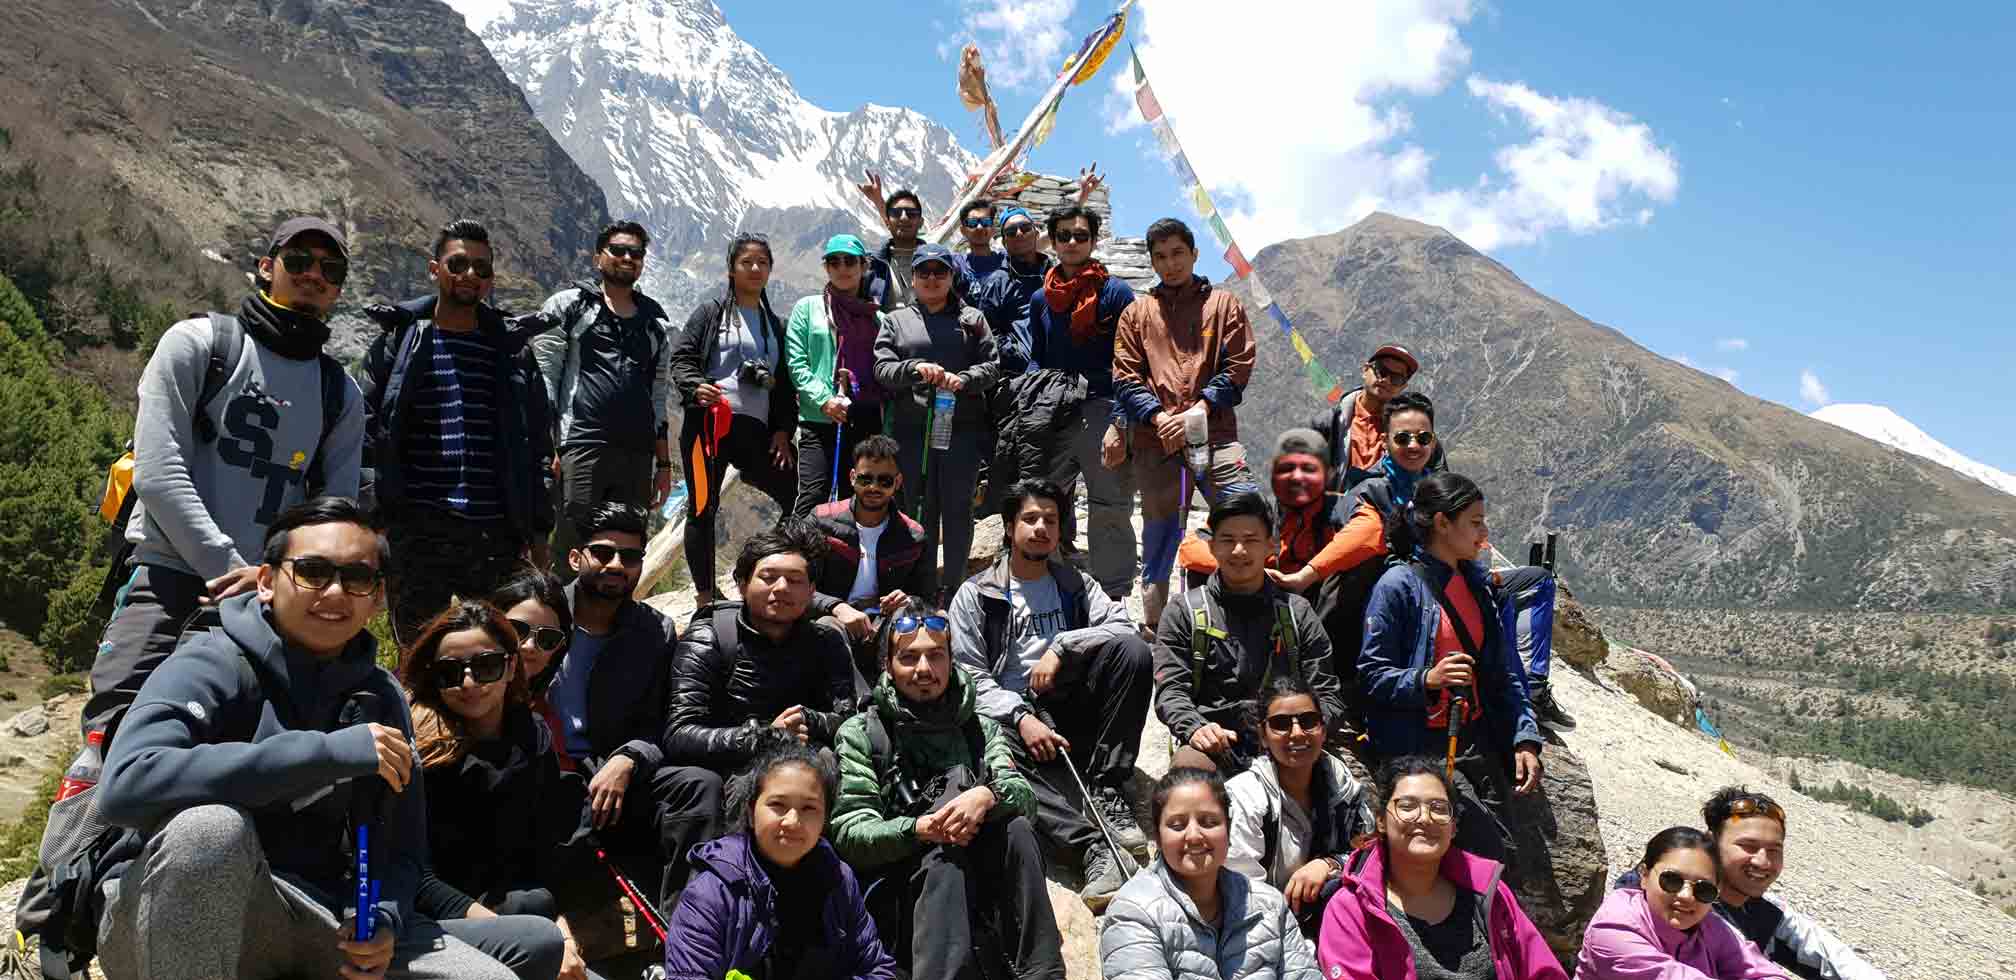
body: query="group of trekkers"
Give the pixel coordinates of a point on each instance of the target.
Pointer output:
(867, 763)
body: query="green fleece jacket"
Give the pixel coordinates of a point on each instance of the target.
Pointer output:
(865, 829)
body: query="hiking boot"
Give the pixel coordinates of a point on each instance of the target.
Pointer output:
(1119, 814)
(1103, 876)
(1548, 711)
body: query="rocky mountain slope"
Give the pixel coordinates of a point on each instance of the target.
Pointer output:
(216, 117)
(1893, 430)
(693, 132)
(1672, 487)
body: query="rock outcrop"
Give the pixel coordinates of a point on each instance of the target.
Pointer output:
(1578, 641)
(1656, 686)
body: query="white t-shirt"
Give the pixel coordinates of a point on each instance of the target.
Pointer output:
(1035, 617)
(864, 573)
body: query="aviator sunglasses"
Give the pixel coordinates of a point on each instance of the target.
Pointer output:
(462, 265)
(315, 573)
(908, 624)
(1706, 892)
(1405, 439)
(546, 638)
(335, 268)
(883, 480)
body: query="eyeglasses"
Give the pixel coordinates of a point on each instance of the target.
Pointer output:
(1411, 807)
(314, 574)
(546, 638)
(979, 222)
(1018, 229)
(1405, 439)
(883, 480)
(462, 265)
(1384, 373)
(335, 268)
(848, 261)
(487, 667)
(906, 212)
(908, 624)
(1751, 807)
(1706, 892)
(1080, 235)
(930, 270)
(606, 553)
(625, 251)
(1308, 721)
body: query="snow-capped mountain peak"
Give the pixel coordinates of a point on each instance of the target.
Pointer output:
(693, 132)
(1887, 427)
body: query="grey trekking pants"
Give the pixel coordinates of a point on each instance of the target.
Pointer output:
(1109, 495)
(202, 903)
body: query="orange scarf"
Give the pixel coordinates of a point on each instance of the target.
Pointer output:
(1078, 296)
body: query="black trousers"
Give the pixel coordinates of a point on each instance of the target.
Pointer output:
(928, 907)
(662, 818)
(1101, 712)
(746, 445)
(146, 621)
(437, 556)
(817, 477)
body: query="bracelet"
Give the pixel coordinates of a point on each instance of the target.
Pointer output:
(664, 464)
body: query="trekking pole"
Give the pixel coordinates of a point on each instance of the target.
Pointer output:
(840, 439)
(1128, 866)
(1456, 706)
(644, 909)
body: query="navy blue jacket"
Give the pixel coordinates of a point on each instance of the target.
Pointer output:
(1004, 300)
(1401, 619)
(1051, 345)
(727, 917)
(525, 423)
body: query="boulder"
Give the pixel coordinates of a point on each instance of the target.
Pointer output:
(30, 723)
(1562, 860)
(1656, 686)
(1081, 933)
(1578, 641)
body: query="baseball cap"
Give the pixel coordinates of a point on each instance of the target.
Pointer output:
(1398, 353)
(845, 245)
(1012, 213)
(294, 228)
(931, 252)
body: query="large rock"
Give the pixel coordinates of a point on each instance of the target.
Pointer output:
(1561, 855)
(1655, 684)
(30, 723)
(1081, 933)
(1578, 641)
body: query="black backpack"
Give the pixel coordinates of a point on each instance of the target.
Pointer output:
(909, 792)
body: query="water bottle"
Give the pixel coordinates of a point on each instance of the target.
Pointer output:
(942, 405)
(675, 502)
(83, 772)
(1196, 438)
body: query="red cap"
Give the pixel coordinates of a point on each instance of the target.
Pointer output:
(1398, 353)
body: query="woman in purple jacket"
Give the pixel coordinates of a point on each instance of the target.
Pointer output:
(1663, 929)
(772, 899)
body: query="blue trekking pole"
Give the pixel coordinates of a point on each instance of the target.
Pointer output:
(840, 439)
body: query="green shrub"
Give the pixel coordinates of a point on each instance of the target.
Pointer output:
(61, 684)
(21, 839)
(70, 635)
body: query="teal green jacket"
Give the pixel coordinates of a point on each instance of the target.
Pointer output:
(811, 356)
(861, 830)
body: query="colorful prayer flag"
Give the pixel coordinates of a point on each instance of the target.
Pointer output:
(1301, 346)
(1101, 50)
(1218, 228)
(1144, 97)
(1200, 201)
(1237, 260)
(1274, 310)
(1260, 293)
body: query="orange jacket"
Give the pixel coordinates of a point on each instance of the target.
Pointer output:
(1361, 539)
(1168, 348)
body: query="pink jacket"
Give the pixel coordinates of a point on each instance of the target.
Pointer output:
(1360, 942)
(1627, 941)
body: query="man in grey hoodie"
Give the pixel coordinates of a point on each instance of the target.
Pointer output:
(223, 444)
(252, 758)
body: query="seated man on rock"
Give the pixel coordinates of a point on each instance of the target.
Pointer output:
(252, 757)
(1219, 643)
(874, 552)
(933, 814)
(761, 663)
(1062, 667)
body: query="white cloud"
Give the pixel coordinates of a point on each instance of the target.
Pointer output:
(1021, 41)
(1684, 359)
(1732, 345)
(1812, 390)
(1295, 116)
(1727, 374)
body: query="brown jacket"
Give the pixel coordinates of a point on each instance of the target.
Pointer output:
(1174, 345)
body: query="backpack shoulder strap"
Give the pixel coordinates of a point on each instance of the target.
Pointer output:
(1286, 636)
(1200, 637)
(333, 383)
(1270, 840)
(728, 639)
(1456, 624)
(976, 742)
(227, 345)
(879, 750)
(1485, 900)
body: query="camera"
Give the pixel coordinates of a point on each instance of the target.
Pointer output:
(754, 373)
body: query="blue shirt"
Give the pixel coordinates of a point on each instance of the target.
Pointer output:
(568, 694)
(450, 448)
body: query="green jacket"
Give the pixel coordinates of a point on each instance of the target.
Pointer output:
(811, 356)
(860, 830)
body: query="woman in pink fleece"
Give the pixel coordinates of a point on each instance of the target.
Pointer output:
(1412, 906)
(1663, 931)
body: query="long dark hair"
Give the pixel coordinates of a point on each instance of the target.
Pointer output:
(440, 735)
(543, 587)
(1444, 493)
(776, 750)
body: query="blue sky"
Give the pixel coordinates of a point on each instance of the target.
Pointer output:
(1776, 193)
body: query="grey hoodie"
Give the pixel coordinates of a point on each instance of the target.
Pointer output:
(191, 738)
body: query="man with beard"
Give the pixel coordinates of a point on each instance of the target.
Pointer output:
(612, 695)
(241, 417)
(1356, 428)
(874, 553)
(766, 662)
(1062, 667)
(457, 436)
(889, 268)
(1003, 297)
(608, 377)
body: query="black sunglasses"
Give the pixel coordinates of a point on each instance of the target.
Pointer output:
(842, 260)
(906, 212)
(1405, 439)
(462, 265)
(883, 480)
(487, 667)
(625, 251)
(546, 638)
(1381, 371)
(335, 268)
(606, 553)
(931, 270)
(1018, 229)
(1706, 892)
(1080, 235)
(1308, 721)
(979, 222)
(315, 573)
(908, 624)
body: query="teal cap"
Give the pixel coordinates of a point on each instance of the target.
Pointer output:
(845, 245)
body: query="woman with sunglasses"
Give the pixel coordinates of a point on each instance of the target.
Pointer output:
(1663, 928)
(535, 603)
(1414, 905)
(938, 343)
(1296, 811)
(1188, 916)
(829, 348)
(500, 815)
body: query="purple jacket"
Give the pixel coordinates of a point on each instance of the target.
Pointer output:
(1627, 941)
(1359, 940)
(726, 916)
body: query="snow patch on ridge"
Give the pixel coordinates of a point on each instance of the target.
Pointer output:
(1887, 427)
